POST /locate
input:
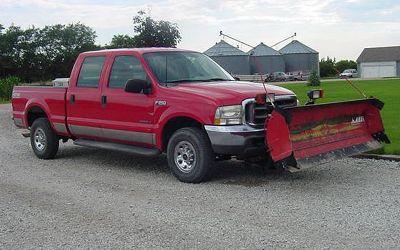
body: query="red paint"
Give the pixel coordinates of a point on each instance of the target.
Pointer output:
(128, 111)
(318, 129)
(277, 137)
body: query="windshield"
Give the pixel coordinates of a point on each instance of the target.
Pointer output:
(180, 66)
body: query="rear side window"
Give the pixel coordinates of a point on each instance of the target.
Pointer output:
(91, 71)
(125, 68)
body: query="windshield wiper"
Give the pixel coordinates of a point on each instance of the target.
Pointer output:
(198, 80)
(182, 80)
(215, 79)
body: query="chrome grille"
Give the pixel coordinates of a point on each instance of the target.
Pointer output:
(255, 114)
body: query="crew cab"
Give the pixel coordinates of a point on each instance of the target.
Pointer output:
(150, 101)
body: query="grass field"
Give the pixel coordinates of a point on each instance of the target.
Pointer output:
(387, 91)
(3, 101)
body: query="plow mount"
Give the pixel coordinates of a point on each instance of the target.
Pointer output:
(305, 136)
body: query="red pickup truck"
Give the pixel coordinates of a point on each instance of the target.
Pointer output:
(152, 101)
(149, 101)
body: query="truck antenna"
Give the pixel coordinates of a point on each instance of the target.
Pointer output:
(259, 69)
(353, 85)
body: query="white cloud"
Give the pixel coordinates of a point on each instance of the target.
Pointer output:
(328, 26)
(390, 11)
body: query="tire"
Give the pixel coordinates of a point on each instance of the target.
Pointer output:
(190, 156)
(44, 141)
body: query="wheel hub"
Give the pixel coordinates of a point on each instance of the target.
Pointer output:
(40, 139)
(185, 156)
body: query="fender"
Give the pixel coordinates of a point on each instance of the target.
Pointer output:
(35, 102)
(166, 117)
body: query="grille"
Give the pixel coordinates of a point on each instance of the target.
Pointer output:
(255, 114)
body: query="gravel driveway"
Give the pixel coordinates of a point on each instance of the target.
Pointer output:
(87, 198)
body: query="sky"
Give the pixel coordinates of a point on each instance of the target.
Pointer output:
(338, 29)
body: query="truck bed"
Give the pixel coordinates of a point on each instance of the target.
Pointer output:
(27, 99)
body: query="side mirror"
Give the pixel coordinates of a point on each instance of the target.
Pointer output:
(236, 78)
(137, 86)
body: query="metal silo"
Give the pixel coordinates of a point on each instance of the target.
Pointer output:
(230, 58)
(264, 59)
(299, 57)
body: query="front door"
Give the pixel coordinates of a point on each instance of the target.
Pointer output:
(128, 117)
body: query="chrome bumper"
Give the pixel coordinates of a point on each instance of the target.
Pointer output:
(241, 140)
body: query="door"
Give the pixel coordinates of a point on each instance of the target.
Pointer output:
(84, 98)
(127, 117)
(378, 69)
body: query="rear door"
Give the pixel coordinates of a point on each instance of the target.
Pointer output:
(84, 112)
(127, 117)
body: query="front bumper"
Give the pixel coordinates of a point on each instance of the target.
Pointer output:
(239, 140)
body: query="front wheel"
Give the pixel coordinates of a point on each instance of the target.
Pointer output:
(44, 141)
(190, 156)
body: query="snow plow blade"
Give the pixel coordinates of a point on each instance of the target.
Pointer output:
(305, 136)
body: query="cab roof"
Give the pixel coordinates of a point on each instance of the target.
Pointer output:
(136, 50)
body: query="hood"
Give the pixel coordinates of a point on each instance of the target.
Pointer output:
(229, 92)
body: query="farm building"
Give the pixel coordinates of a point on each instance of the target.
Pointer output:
(264, 59)
(379, 62)
(230, 58)
(299, 57)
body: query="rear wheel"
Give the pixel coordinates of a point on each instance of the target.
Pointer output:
(190, 156)
(44, 141)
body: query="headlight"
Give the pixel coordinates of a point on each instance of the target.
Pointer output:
(228, 115)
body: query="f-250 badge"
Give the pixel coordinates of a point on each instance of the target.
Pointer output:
(160, 103)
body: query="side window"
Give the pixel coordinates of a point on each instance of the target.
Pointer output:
(90, 73)
(125, 68)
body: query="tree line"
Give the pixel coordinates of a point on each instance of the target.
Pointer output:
(37, 54)
(329, 67)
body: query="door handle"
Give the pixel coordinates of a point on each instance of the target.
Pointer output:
(103, 100)
(72, 99)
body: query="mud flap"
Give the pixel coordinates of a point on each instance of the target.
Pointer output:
(301, 137)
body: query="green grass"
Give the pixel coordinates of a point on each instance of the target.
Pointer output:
(4, 101)
(387, 91)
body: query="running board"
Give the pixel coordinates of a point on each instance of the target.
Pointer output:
(118, 147)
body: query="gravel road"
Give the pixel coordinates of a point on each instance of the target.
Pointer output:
(87, 198)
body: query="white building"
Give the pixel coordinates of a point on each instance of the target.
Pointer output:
(379, 62)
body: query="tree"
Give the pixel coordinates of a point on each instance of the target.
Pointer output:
(42, 54)
(151, 33)
(122, 41)
(6, 87)
(345, 64)
(61, 44)
(327, 67)
(18, 49)
(313, 79)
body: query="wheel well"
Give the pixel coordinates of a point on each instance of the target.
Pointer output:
(35, 113)
(177, 123)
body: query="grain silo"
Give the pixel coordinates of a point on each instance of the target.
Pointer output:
(232, 59)
(299, 57)
(264, 59)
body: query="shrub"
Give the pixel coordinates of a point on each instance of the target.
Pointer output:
(6, 87)
(313, 80)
